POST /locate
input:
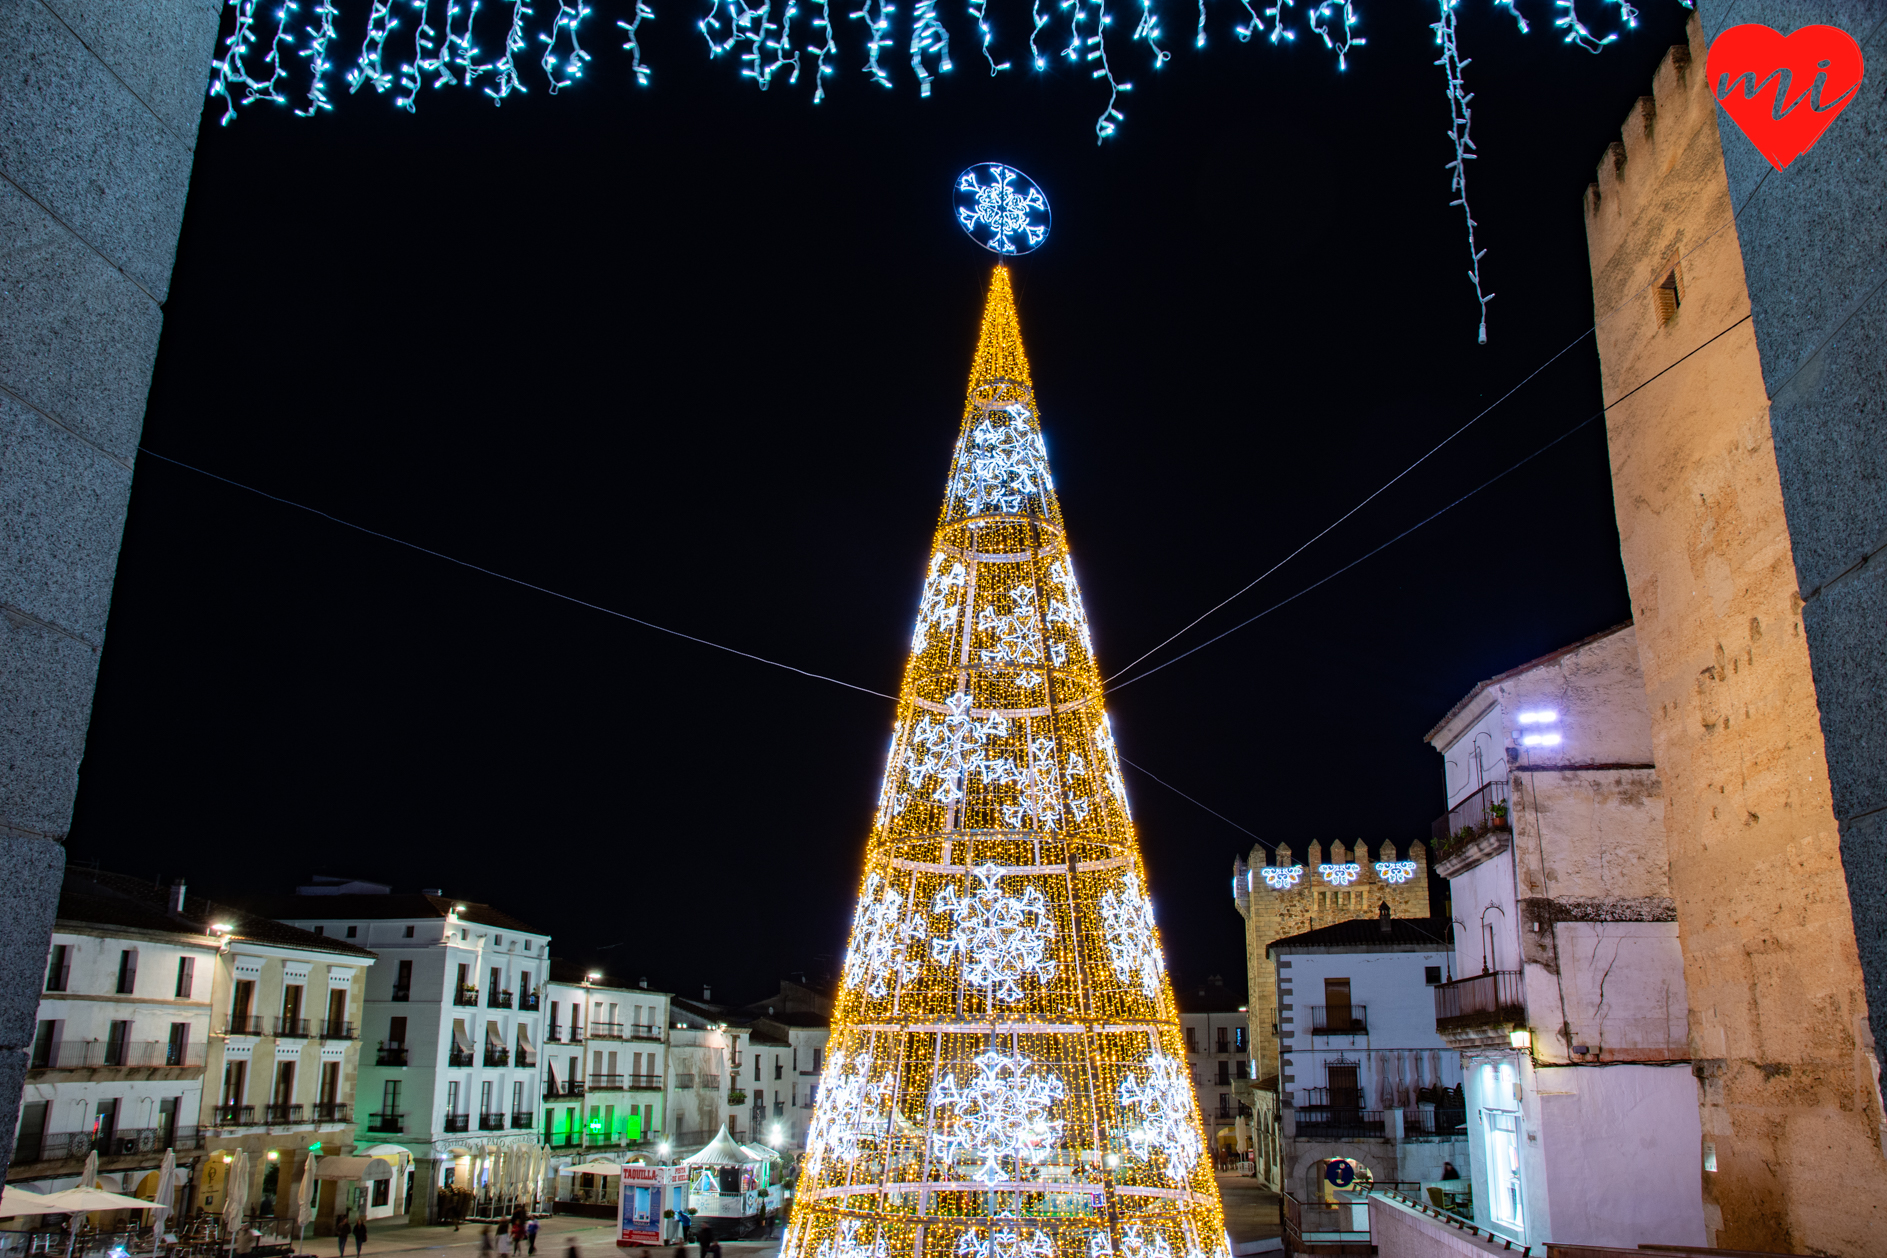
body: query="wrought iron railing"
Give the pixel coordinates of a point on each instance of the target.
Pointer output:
(458, 1122)
(80, 1054)
(644, 1083)
(387, 1121)
(492, 1122)
(466, 995)
(55, 1146)
(1491, 997)
(495, 999)
(1340, 1122)
(643, 1031)
(234, 1115)
(291, 1028)
(497, 1056)
(1338, 1020)
(456, 1056)
(1478, 813)
(337, 1030)
(605, 1082)
(391, 1055)
(605, 1030)
(278, 1114)
(242, 1024)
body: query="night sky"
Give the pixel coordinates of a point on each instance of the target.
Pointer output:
(698, 353)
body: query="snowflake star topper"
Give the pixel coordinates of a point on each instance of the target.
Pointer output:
(1007, 215)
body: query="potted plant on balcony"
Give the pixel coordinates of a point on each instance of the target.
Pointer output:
(1497, 816)
(737, 1097)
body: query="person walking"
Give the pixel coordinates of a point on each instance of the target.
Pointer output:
(360, 1235)
(504, 1241)
(530, 1235)
(484, 1243)
(340, 1230)
(710, 1248)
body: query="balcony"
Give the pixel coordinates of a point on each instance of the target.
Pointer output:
(456, 1056)
(492, 1122)
(527, 1059)
(234, 1116)
(291, 1028)
(331, 1111)
(560, 1089)
(1487, 809)
(458, 1122)
(279, 1115)
(125, 1054)
(1489, 1003)
(711, 1082)
(60, 1146)
(497, 1056)
(403, 993)
(241, 1024)
(527, 1003)
(1443, 1123)
(606, 1030)
(336, 1031)
(1338, 1020)
(390, 1055)
(523, 1120)
(1340, 1122)
(466, 996)
(495, 999)
(643, 1083)
(643, 1031)
(684, 1079)
(605, 1083)
(553, 1034)
(390, 1121)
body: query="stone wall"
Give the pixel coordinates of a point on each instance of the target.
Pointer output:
(99, 104)
(1777, 1013)
(1271, 915)
(1814, 248)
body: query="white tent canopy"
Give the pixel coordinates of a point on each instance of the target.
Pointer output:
(722, 1151)
(591, 1168)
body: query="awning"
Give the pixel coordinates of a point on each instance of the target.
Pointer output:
(460, 1039)
(524, 1039)
(494, 1034)
(592, 1168)
(353, 1168)
(722, 1151)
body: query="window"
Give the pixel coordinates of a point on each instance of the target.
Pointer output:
(127, 971)
(396, 1033)
(45, 1045)
(330, 1082)
(1337, 1003)
(403, 981)
(452, 1097)
(177, 1052)
(353, 932)
(382, 1192)
(186, 977)
(409, 935)
(59, 968)
(527, 945)
(291, 1007)
(1225, 1073)
(756, 1067)
(1223, 1032)
(235, 1081)
(817, 1054)
(497, 941)
(1238, 1068)
(1192, 1043)
(1344, 1092)
(779, 1067)
(1503, 1156)
(241, 998)
(337, 1010)
(285, 1082)
(484, 1097)
(1670, 296)
(390, 1097)
(320, 930)
(1431, 974)
(517, 1097)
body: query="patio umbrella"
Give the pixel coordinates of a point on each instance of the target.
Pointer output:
(160, 1200)
(17, 1201)
(88, 1178)
(86, 1200)
(236, 1194)
(305, 1197)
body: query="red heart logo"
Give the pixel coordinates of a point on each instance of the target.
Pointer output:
(1784, 91)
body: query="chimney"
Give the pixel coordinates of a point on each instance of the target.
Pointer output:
(643, 982)
(176, 895)
(1382, 917)
(707, 993)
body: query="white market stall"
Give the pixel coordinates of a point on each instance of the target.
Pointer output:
(649, 1200)
(726, 1180)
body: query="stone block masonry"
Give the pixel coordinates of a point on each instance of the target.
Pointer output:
(99, 108)
(1778, 1016)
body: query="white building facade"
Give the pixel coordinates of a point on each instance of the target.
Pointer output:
(1213, 1019)
(1570, 1012)
(606, 1062)
(1365, 1074)
(454, 1027)
(788, 1053)
(116, 1065)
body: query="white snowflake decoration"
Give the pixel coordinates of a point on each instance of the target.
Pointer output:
(1001, 464)
(1340, 875)
(998, 215)
(1281, 877)
(1018, 634)
(1132, 1245)
(847, 1245)
(1127, 921)
(1000, 1113)
(952, 747)
(938, 606)
(1038, 787)
(1164, 1103)
(1000, 938)
(1068, 609)
(881, 931)
(1005, 1242)
(1395, 872)
(853, 1108)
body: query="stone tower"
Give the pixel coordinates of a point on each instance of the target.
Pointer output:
(1288, 896)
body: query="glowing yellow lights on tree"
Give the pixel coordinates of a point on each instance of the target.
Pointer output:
(1006, 1075)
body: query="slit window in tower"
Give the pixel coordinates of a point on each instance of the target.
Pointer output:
(1670, 296)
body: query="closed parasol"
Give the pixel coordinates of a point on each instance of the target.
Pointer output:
(235, 1194)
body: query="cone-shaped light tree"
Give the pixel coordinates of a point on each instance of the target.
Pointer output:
(1006, 1075)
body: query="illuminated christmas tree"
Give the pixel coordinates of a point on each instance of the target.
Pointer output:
(1006, 1076)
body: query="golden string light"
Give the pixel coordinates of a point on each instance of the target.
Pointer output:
(1006, 1076)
